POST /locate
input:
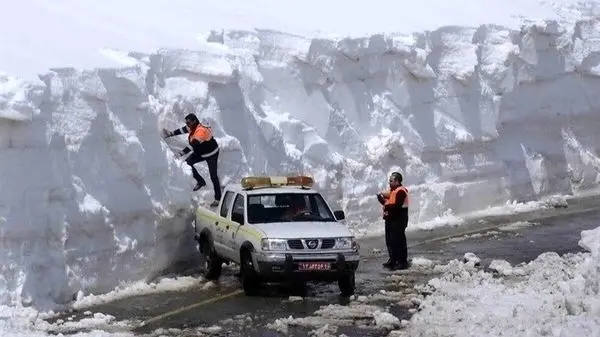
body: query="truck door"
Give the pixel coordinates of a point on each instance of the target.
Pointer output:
(237, 213)
(220, 224)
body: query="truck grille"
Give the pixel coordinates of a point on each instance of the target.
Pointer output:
(327, 243)
(295, 244)
(299, 244)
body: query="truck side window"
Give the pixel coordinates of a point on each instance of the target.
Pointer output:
(226, 203)
(238, 206)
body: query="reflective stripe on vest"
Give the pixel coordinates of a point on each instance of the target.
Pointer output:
(201, 134)
(391, 197)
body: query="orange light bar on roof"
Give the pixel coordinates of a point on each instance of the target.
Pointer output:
(300, 181)
(267, 181)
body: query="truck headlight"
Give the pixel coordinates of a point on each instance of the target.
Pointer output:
(273, 244)
(346, 243)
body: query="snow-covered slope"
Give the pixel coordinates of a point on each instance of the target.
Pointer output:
(473, 117)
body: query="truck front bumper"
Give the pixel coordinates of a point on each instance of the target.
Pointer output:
(288, 266)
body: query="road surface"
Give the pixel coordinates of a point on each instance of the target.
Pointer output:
(224, 311)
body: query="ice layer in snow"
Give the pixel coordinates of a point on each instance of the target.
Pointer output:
(473, 117)
(550, 296)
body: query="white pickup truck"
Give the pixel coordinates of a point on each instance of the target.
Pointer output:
(277, 229)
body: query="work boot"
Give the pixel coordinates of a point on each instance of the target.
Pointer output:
(401, 265)
(388, 263)
(198, 186)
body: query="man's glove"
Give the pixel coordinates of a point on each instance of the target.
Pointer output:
(166, 133)
(380, 197)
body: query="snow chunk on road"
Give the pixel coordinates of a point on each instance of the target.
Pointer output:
(333, 315)
(386, 320)
(17, 322)
(472, 259)
(419, 261)
(501, 267)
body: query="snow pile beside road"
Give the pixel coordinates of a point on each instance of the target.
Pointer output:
(550, 296)
(473, 117)
(91, 197)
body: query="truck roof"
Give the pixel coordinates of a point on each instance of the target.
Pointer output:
(269, 190)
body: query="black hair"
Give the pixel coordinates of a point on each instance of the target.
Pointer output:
(192, 117)
(397, 176)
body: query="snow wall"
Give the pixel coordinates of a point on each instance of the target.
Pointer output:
(473, 117)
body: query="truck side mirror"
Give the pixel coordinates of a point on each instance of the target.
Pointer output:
(237, 217)
(339, 215)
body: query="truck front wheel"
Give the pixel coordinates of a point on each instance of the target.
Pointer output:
(248, 276)
(212, 263)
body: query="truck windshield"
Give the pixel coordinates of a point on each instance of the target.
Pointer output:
(287, 207)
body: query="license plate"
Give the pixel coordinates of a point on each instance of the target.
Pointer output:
(314, 266)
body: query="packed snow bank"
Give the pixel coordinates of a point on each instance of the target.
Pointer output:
(91, 196)
(550, 296)
(473, 117)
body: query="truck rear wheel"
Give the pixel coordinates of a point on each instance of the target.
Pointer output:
(347, 284)
(212, 263)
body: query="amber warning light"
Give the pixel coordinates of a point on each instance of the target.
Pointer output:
(263, 182)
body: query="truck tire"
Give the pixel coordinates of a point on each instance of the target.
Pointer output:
(248, 276)
(212, 263)
(347, 284)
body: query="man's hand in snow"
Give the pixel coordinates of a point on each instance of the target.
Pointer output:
(166, 133)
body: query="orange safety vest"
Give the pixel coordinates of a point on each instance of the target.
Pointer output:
(201, 134)
(391, 198)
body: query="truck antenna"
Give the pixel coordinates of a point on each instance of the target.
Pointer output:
(302, 164)
(265, 168)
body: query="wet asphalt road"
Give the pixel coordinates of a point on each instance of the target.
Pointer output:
(238, 315)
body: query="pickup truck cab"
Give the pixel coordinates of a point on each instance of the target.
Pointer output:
(277, 229)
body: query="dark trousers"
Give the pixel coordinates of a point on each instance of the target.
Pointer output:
(212, 163)
(395, 239)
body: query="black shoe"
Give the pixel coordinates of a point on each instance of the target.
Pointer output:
(387, 264)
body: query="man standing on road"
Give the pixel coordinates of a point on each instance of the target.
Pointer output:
(205, 148)
(395, 213)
